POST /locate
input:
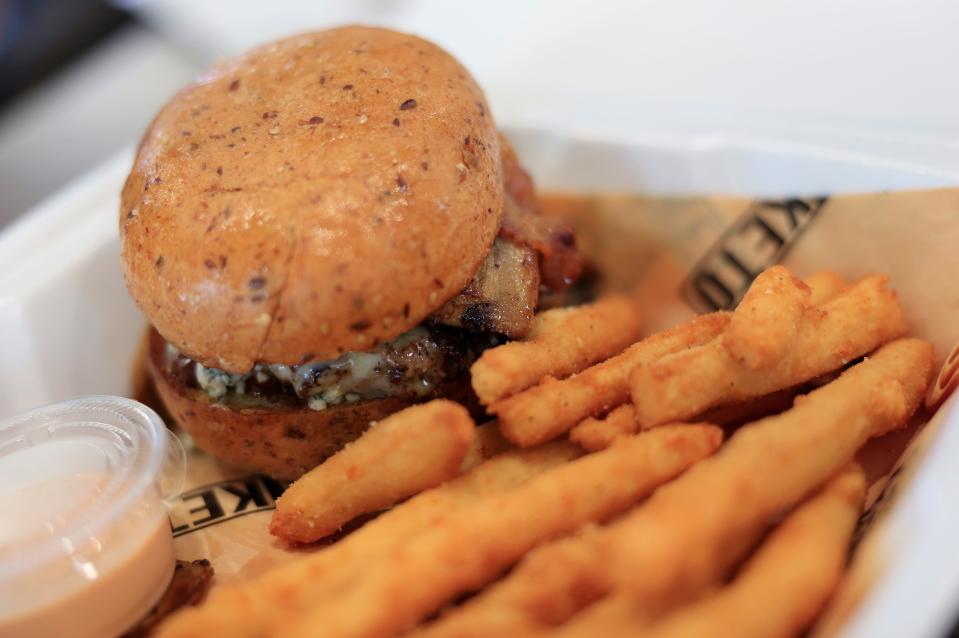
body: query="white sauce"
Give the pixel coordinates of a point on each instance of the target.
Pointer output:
(98, 586)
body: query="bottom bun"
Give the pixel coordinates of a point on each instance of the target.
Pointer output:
(284, 441)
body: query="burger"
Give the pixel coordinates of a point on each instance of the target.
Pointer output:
(323, 231)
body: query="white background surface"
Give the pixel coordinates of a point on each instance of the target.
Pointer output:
(870, 74)
(873, 58)
(871, 78)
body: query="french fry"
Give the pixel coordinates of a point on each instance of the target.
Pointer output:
(733, 494)
(432, 568)
(248, 610)
(824, 286)
(782, 588)
(692, 530)
(613, 616)
(773, 308)
(546, 411)
(569, 580)
(864, 570)
(598, 434)
(685, 384)
(595, 434)
(561, 342)
(753, 409)
(404, 454)
(777, 593)
(487, 443)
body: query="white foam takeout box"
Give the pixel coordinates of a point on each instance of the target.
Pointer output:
(69, 329)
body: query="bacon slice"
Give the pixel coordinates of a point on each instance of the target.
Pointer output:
(552, 238)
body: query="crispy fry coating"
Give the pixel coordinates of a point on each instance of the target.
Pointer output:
(595, 433)
(777, 593)
(685, 384)
(598, 434)
(551, 584)
(561, 342)
(470, 550)
(824, 286)
(406, 453)
(753, 409)
(782, 588)
(487, 443)
(548, 410)
(248, 610)
(767, 320)
(613, 616)
(692, 530)
(755, 476)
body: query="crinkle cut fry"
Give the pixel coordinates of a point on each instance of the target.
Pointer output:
(778, 592)
(692, 530)
(246, 610)
(548, 410)
(561, 342)
(430, 569)
(685, 384)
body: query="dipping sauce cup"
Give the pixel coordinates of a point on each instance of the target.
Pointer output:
(85, 542)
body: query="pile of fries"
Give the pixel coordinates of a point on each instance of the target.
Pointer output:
(608, 498)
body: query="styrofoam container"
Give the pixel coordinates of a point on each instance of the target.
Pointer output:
(70, 329)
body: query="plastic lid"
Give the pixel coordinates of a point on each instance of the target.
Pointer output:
(83, 485)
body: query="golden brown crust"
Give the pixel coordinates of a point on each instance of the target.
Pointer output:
(311, 197)
(283, 441)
